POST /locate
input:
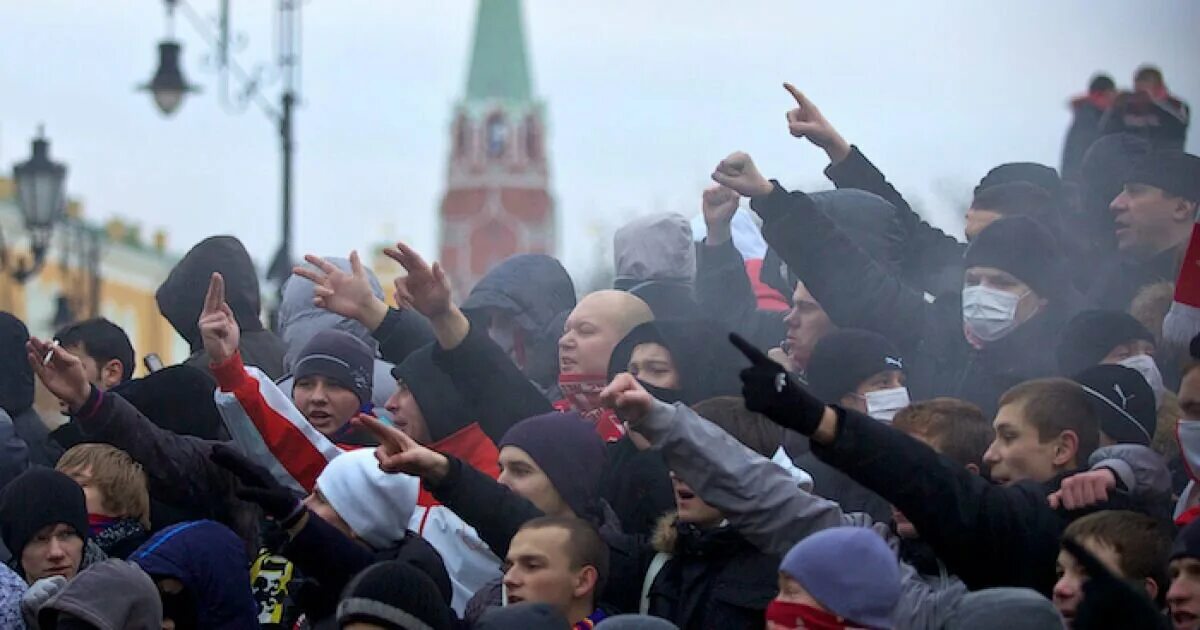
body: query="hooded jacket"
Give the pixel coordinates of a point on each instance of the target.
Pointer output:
(655, 259)
(858, 293)
(535, 290)
(266, 425)
(111, 595)
(714, 578)
(300, 320)
(181, 300)
(16, 396)
(211, 563)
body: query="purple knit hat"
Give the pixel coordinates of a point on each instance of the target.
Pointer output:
(850, 571)
(567, 448)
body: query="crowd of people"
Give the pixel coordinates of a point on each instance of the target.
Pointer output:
(818, 412)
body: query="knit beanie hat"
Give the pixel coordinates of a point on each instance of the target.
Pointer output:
(1039, 175)
(1021, 247)
(523, 616)
(1123, 402)
(394, 595)
(1187, 542)
(850, 571)
(567, 448)
(1108, 161)
(37, 498)
(1004, 609)
(636, 622)
(843, 359)
(376, 505)
(1175, 172)
(1091, 335)
(341, 357)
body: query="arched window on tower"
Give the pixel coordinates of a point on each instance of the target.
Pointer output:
(533, 139)
(497, 136)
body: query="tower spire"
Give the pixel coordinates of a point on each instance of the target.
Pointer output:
(499, 65)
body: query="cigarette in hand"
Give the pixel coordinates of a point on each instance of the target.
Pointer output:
(50, 355)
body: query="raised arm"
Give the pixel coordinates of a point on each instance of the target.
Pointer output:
(851, 287)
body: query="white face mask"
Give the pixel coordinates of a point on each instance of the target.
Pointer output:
(988, 313)
(1145, 365)
(1188, 434)
(883, 404)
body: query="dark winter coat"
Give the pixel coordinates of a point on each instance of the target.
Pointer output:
(497, 513)
(1122, 277)
(714, 578)
(857, 293)
(211, 563)
(1086, 116)
(929, 260)
(987, 535)
(122, 538)
(401, 333)
(177, 467)
(16, 394)
(535, 290)
(1163, 121)
(181, 299)
(328, 560)
(724, 292)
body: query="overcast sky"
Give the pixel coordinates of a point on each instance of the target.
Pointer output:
(643, 99)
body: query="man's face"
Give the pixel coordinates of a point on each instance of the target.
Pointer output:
(407, 415)
(539, 569)
(977, 219)
(1189, 395)
(523, 476)
(95, 497)
(588, 339)
(327, 405)
(1068, 591)
(1017, 453)
(54, 550)
(1127, 350)
(1030, 303)
(692, 509)
(1183, 598)
(105, 376)
(652, 363)
(807, 323)
(503, 330)
(1148, 221)
(880, 381)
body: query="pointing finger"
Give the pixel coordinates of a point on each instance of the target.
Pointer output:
(801, 99)
(216, 293)
(755, 355)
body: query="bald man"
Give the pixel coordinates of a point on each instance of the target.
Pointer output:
(594, 328)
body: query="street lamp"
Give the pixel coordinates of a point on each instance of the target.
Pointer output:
(42, 199)
(168, 85)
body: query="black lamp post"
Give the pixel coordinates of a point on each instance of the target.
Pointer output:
(168, 86)
(42, 199)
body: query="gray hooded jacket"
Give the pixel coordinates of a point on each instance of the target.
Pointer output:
(111, 595)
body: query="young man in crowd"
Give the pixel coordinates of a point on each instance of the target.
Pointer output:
(1183, 597)
(1132, 546)
(560, 561)
(104, 348)
(44, 523)
(118, 501)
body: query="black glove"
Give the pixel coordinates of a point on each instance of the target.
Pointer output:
(258, 486)
(1108, 602)
(771, 391)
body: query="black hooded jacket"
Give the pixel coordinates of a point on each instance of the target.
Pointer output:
(445, 411)
(535, 290)
(16, 393)
(858, 293)
(181, 300)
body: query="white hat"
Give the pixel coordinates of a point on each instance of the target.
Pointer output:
(376, 505)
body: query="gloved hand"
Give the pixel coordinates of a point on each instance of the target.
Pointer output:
(771, 391)
(258, 486)
(1109, 602)
(38, 594)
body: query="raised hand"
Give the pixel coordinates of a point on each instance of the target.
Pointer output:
(771, 391)
(63, 375)
(626, 396)
(399, 453)
(346, 294)
(719, 205)
(425, 289)
(738, 172)
(218, 327)
(806, 121)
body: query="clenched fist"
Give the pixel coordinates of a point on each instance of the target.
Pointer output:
(739, 173)
(719, 205)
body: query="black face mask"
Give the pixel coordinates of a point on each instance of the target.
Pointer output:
(662, 393)
(180, 608)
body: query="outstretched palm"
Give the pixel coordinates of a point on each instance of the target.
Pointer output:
(425, 289)
(346, 294)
